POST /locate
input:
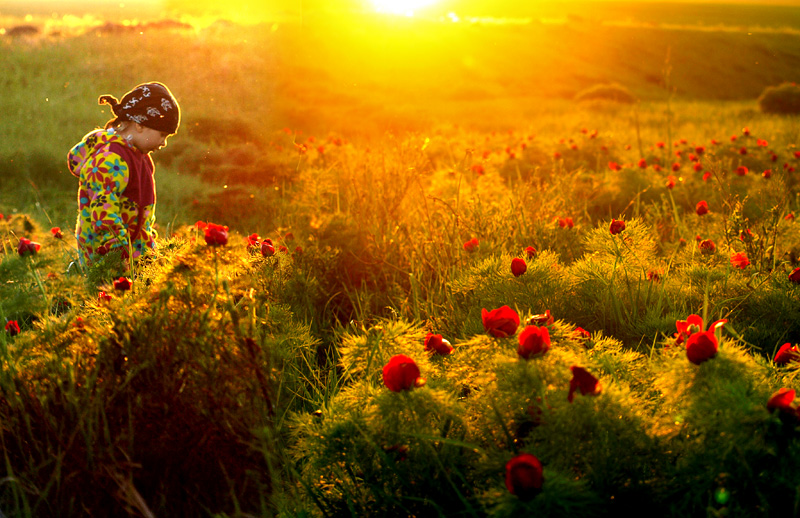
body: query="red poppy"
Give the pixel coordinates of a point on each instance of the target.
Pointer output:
(782, 400)
(582, 334)
(267, 248)
(797, 154)
(565, 223)
(471, 245)
(252, 240)
(103, 297)
(614, 166)
(742, 150)
(789, 217)
(283, 249)
(670, 182)
(12, 327)
(532, 341)
(542, 319)
(216, 235)
(693, 324)
(701, 346)
(786, 354)
(27, 247)
(57, 233)
(714, 142)
(740, 260)
(741, 170)
(531, 252)
(707, 247)
(676, 166)
(500, 322)
(795, 276)
(200, 225)
(518, 266)
(746, 236)
(697, 167)
(401, 373)
(762, 143)
(524, 476)
(702, 208)
(746, 131)
(123, 284)
(477, 169)
(700, 150)
(767, 173)
(582, 380)
(643, 163)
(617, 226)
(437, 344)
(706, 176)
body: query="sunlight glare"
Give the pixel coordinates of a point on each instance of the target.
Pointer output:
(402, 7)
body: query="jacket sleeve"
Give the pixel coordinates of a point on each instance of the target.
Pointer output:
(106, 174)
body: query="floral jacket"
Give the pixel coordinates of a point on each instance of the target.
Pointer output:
(116, 196)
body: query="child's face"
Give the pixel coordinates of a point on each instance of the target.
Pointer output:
(147, 139)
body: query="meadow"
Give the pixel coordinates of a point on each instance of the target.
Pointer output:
(484, 267)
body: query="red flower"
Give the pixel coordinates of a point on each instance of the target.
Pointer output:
(267, 248)
(471, 245)
(795, 276)
(741, 170)
(697, 167)
(565, 223)
(617, 226)
(531, 252)
(693, 324)
(746, 131)
(743, 151)
(532, 341)
(283, 249)
(582, 380)
(524, 476)
(643, 163)
(57, 233)
(582, 334)
(12, 327)
(104, 297)
(767, 173)
(477, 169)
(123, 284)
(216, 235)
(200, 225)
(702, 208)
(706, 176)
(701, 347)
(653, 276)
(542, 319)
(518, 266)
(670, 182)
(500, 322)
(797, 154)
(699, 150)
(252, 240)
(789, 217)
(27, 247)
(676, 166)
(740, 260)
(707, 247)
(556, 155)
(614, 166)
(401, 373)
(437, 344)
(782, 400)
(762, 143)
(786, 354)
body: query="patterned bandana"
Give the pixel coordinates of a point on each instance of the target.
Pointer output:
(150, 104)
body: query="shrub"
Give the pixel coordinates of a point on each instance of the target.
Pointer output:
(783, 99)
(609, 92)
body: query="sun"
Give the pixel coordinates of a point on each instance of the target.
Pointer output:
(404, 7)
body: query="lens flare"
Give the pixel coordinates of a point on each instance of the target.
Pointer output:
(402, 7)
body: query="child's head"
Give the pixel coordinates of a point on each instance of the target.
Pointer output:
(151, 105)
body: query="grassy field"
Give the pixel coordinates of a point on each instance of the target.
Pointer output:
(403, 170)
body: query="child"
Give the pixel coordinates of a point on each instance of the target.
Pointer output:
(117, 192)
